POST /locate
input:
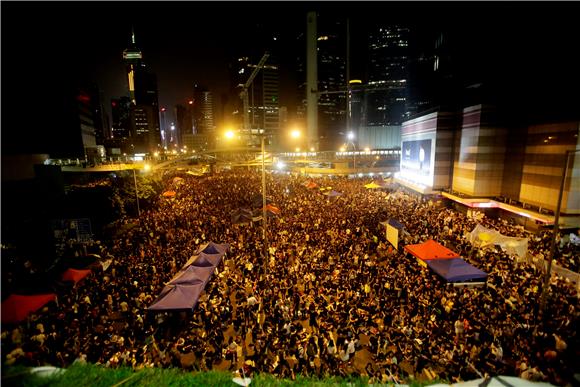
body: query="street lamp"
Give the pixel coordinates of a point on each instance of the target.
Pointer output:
(136, 194)
(555, 231)
(350, 137)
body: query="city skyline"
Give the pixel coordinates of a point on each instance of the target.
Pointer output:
(528, 50)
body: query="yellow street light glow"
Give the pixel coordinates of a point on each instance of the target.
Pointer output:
(312, 149)
(295, 133)
(353, 81)
(367, 150)
(229, 134)
(156, 154)
(297, 150)
(342, 149)
(147, 167)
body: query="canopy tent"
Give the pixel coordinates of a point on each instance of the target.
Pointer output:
(178, 297)
(273, 209)
(431, 250)
(168, 194)
(75, 275)
(372, 185)
(332, 194)
(192, 274)
(258, 201)
(207, 260)
(17, 307)
(182, 292)
(456, 270)
(213, 248)
(310, 185)
(485, 237)
(393, 230)
(241, 216)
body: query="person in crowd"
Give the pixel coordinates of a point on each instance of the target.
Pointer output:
(329, 297)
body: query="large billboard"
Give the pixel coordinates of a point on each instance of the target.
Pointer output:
(416, 157)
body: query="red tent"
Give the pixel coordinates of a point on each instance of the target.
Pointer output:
(273, 209)
(75, 275)
(430, 250)
(17, 307)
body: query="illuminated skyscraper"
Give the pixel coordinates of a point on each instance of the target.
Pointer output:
(386, 95)
(142, 86)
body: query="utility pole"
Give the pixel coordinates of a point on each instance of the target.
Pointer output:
(555, 231)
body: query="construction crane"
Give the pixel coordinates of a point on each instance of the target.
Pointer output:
(244, 92)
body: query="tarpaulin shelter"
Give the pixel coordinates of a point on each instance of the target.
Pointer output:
(168, 194)
(75, 275)
(430, 250)
(456, 270)
(273, 209)
(311, 185)
(258, 201)
(393, 230)
(183, 291)
(485, 237)
(332, 194)
(372, 185)
(192, 274)
(178, 297)
(213, 248)
(241, 216)
(17, 307)
(207, 260)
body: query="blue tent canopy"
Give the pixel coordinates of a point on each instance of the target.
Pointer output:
(178, 297)
(456, 270)
(192, 275)
(393, 222)
(213, 248)
(183, 291)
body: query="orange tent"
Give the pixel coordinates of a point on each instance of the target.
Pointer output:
(75, 275)
(169, 194)
(17, 307)
(273, 209)
(311, 185)
(430, 250)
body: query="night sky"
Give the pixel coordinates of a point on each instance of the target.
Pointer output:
(530, 49)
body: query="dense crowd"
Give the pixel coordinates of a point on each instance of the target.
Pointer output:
(333, 297)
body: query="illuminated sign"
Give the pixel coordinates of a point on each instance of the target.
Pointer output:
(132, 55)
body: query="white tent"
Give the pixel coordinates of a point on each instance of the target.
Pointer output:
(485, 237)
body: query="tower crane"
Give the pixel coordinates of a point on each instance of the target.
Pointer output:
(244, 92)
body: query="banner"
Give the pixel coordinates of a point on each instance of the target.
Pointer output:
(393, 236)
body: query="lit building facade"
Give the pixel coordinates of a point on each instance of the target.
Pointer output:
(386, 91)
(203, 110)
(145, 134)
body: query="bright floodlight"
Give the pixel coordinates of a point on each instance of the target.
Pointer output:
(350, 135)
(280, 165)
(147, 167)
(295, 133)
(229, 134)
(342, 149)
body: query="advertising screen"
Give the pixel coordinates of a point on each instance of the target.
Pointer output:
(416, 157)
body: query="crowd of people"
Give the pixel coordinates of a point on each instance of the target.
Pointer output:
(331, 298)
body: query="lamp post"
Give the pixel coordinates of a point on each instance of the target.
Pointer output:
(136, 194)
(264, 215)
(555, 231)
(350, 137)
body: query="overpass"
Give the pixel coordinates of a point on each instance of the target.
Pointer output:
(328, 162)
